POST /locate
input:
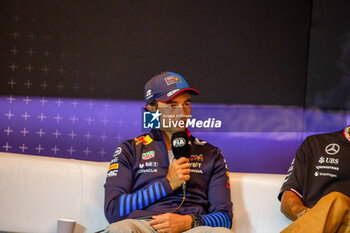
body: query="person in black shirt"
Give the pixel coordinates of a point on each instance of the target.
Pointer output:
(315, 193)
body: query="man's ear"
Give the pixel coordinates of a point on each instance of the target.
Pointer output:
(151, 108)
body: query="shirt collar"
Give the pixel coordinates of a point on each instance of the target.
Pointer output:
(156, 134)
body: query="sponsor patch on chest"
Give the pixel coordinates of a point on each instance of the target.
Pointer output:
(148, 155)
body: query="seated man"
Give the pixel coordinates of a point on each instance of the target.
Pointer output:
(143, 190)
(315, 193)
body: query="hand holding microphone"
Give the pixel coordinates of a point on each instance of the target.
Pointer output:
(179, 169)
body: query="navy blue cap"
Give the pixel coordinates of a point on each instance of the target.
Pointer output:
(166, 86)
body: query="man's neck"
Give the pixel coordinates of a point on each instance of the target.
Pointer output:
(167, 139)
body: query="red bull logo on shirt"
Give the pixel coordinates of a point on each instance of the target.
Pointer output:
(144, 139)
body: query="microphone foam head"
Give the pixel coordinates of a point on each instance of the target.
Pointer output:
(180, 146)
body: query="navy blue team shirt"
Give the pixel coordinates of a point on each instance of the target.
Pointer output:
(136, 184)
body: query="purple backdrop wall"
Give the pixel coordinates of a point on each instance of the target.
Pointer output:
(91, 129)
(62, 63)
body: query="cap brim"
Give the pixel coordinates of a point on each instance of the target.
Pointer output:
(165, 98)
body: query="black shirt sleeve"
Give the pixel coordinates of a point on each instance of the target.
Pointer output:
(295, 178)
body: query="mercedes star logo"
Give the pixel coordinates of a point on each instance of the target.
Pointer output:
(332, 149)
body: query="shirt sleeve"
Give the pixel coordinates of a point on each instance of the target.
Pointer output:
(120, 201)
(219, 197)
(296, 174)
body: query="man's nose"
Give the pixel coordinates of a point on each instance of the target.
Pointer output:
(180, 110)
(184, 110)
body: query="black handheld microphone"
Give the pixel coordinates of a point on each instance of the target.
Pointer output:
(181, 148)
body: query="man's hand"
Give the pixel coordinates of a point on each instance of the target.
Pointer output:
(179, 172)
(172, 223)
(291, 205)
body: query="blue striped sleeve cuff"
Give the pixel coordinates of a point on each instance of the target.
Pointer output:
(217, 219)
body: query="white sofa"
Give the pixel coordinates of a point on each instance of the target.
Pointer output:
(36, 191)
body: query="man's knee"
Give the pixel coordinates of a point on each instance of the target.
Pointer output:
(225, 230)
(221, 230)
(206, 229)
(339, 197)
(335, 199)
(123, 226)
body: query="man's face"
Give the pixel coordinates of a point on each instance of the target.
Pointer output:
(175, 110)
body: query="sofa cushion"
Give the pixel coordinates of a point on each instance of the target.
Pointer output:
(255, 203)
(36, 191)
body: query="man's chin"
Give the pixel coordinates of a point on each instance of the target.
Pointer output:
(174, 130)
